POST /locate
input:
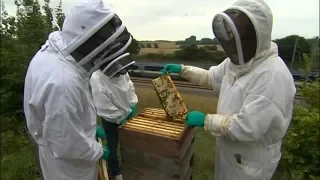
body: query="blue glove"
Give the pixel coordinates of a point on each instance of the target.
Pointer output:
(100, 132)
(106, 153)
(195, 118)
(133, 112)
(171, 68)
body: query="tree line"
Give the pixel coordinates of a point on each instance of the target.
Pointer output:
(193, 40)
(286, 45)
(291, 49)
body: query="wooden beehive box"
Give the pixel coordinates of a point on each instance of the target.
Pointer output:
(153, 148)
(169, 97)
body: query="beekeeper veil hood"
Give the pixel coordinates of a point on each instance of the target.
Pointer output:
(118, 66)
(94, 35)
(244, 30)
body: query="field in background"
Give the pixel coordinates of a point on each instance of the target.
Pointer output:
(144, 51)
(163, 47)
(167, 47)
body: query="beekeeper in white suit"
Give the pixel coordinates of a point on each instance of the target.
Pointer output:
(115, 100)
(256, 92)
(58, 105)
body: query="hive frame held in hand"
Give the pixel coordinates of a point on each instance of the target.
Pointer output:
(102, 165)
(169, 97)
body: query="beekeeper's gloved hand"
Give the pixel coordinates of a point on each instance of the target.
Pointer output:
(100, 132)
(171, 68)
(195, 118)
(106, 153)
(124, 120)
(133, 112)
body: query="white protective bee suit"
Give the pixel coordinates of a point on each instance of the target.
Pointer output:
(58, 106)
(255, 103)
(113, 97)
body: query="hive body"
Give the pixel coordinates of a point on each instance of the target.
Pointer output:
(153, 148)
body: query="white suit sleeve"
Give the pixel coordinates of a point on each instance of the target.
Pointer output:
(63, 128)
(104, 106)
(133, 98)
(216, 74)
(211, 78)
(195, 75)
(250, 124)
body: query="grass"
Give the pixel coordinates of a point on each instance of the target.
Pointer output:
(148, 98)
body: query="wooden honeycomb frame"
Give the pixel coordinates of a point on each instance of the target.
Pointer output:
(160, 114)
(102, 167)
(154, 122)
(170, 98)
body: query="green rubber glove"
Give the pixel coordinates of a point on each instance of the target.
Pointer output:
(124, 120)
(106, 153)
(133, 112)
(171, 68)
(195, 118)
(100, 132)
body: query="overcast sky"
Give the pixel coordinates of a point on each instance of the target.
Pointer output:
(178, 19)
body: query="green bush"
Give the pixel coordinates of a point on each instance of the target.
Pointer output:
(134, 47)
(18, 160)
(301, 150)
(142, 45)
(192, 52)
